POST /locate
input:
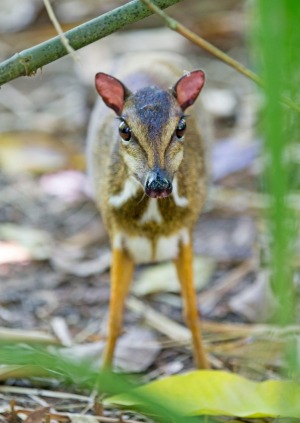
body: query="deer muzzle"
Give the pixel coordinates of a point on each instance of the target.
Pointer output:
(158, 184)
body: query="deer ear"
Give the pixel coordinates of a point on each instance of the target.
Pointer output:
(112, 91)
(188, 87)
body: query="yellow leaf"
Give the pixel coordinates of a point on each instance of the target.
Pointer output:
(212, 392)
(8, 371)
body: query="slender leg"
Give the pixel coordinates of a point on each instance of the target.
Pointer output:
(184, 267)
(121, 276)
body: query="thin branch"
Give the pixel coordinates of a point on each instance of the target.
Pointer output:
(200, 42)
(19, 335)
(59, 30)
(28, 61)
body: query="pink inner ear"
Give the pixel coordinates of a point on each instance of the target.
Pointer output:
(188, 88)
(111, 90)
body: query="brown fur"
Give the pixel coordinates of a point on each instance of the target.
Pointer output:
(109, 169)
(155, 148)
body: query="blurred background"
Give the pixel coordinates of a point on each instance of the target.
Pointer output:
(54, 252)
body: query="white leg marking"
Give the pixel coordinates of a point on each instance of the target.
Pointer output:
(118, 241)
(152, 212)
(130, 188)
(179, 201)
(185, 236)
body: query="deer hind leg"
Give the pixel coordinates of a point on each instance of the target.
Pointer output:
(184, 267)
(121, 277)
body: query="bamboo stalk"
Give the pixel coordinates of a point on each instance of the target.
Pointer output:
(27, 62)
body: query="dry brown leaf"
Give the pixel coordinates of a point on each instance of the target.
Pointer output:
(15, 371)
(37, 416)
(163, 278)
(37, 243)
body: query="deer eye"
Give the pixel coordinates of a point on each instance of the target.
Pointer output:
(180, 129)
(125, 131)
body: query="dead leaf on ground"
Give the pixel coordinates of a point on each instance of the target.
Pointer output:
(70, 261)
(37, 416)
(137, 350)
(256, 302)
(90, 352)
(11, 252)
(225, 238)
(163, 277)
(69, 185)
(35, 152)
(36, 242)
(232, 155)
(94, 233)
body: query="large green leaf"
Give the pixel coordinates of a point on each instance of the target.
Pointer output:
(211, 392)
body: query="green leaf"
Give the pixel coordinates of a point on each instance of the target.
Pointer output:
(212, 392)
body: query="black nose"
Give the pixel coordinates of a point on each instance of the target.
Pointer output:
(158, 184)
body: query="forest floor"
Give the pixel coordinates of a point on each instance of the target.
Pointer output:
(54, 251)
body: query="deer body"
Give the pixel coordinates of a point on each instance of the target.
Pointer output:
(147, 170)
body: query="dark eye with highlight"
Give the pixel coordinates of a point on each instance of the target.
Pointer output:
(180, 130)
(125, 131)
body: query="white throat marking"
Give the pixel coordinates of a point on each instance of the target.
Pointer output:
(130, 189)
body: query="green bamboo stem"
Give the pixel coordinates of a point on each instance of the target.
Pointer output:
(27, 62)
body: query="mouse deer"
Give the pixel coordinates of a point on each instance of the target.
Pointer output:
(146, 163)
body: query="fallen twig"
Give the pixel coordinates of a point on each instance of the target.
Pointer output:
(42, 393)
(67, 417)
(27, 336)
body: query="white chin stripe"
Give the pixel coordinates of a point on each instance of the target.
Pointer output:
(179, 201)
(152, 213)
